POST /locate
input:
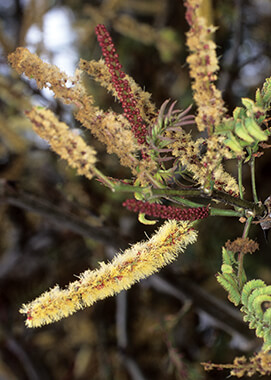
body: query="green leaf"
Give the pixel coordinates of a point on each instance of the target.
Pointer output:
(255, 295)
(248, 103)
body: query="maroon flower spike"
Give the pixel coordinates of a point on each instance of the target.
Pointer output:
(121, 85)
(166, 212)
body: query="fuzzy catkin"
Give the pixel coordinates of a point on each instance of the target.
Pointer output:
(70, 146)
(110, 128)
(203, 67)
(140, 261)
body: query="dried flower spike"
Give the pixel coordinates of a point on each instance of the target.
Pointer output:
(242, 245)
(122, 87)
(166, 212)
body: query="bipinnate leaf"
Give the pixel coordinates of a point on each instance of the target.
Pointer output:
(256, 300)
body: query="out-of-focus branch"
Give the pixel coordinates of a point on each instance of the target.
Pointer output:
(221, 314)
(11, 194)
(128, 361)
(18, 351)
(121, 320)
(132, 367)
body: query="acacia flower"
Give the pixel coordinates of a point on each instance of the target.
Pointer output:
(166, 212)
(111, 129)
(69, 145)
(121, 85)
(202, 158)
(203, 65)
(134, 264)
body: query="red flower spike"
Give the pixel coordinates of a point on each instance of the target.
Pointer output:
(121, 85)
(166, 212)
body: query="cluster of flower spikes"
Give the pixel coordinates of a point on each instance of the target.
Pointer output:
(121, 85)
(166, 212)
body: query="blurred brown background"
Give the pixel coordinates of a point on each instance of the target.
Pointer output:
(165, 326)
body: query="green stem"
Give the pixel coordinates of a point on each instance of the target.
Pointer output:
(241, 272)
(253, 180)
(105, 180)
(154, 181)
(185, 202)
(225, 198)
(247, 227)
(240, 166)
(162, 192)
(223, 212)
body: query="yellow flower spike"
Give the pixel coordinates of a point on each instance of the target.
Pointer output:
(140, 261)
(69, 145)
(203, 66)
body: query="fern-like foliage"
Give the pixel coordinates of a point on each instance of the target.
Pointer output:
(228, 277)
(246, 128)
(256, 301)
(254, 296)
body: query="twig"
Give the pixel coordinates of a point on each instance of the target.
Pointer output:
(196, 193)
(14, 347)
